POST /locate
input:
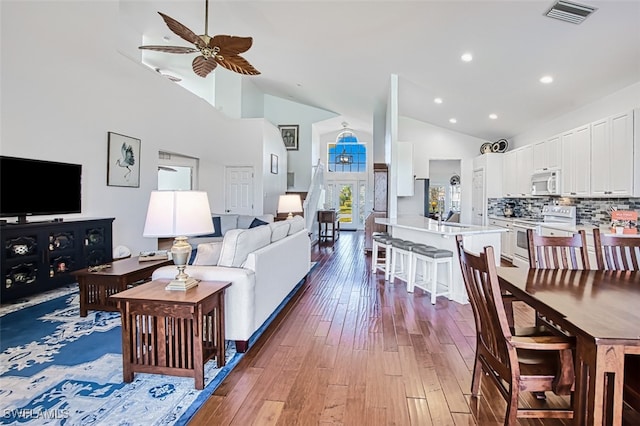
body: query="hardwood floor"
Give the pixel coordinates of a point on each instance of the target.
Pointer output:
(351, 349)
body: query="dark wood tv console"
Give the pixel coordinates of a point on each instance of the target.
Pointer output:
(40, 256)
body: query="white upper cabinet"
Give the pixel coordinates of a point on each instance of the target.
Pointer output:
(517, 170)
(509, 171)
(612, 156)
(405, 169)
(492, 165)
(576, 161)
(524, 161)
(547, 154)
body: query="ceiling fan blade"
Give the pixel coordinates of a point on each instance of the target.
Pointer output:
(231, 44)
(170, 49)
(237, 64)
(203, 66)
(181, 30)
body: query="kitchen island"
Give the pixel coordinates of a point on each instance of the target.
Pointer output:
(442, 235)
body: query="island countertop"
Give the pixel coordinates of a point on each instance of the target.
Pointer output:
(424, 224)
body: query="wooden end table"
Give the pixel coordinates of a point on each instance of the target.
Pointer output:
(96, 287)
(172, 332)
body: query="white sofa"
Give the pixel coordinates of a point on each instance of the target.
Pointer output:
(264, 264)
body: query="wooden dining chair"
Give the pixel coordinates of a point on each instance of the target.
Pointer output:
(618, 253)
(547, 252)
(514, 363)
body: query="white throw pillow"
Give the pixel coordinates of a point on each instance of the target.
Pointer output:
(208, 254)
(296, 224)
(279, 230)
(238, 243)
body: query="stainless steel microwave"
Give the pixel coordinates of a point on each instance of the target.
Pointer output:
(545, 182)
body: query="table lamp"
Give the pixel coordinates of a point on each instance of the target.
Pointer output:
(289, 203)
(179, 214)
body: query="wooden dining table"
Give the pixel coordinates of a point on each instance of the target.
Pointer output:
(602, 310)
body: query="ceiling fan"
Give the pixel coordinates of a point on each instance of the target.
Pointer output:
(219, 49)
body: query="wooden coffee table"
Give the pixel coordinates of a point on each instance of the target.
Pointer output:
(172, 332)
(96, 287)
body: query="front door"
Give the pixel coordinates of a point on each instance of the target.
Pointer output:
(238, 194)
(347, 198)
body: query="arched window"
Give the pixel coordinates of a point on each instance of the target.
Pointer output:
(346, 155)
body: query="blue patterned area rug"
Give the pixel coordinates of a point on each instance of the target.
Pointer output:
(57, 368)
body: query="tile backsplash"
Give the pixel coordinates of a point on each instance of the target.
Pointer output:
(590, 211)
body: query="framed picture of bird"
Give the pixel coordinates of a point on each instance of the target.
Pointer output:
(123, 164)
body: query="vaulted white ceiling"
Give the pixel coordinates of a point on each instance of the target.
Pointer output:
(339, 55)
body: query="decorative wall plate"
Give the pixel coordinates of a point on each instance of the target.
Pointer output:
(500, 146)
(455, 180)
(485, 148)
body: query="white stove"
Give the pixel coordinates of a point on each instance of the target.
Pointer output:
(551, 215)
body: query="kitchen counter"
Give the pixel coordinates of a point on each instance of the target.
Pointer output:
(423, 230)
(424, 224)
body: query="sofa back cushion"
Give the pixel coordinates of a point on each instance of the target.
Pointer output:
(279, 230)
(296, 224)
(238, 243)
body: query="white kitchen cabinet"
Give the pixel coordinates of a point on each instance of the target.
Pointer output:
(492, 164)
(524, 165)
(576, 162)
(547, 154)
(516, 172)
(405, 169)
(509, 173)
(612, 156)
(506, 237)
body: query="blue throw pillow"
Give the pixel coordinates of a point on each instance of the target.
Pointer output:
(257, 222)
(217, 228)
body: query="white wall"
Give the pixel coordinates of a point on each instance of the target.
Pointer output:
(59, 100)
(282, 112)
(436, 143)
(623, 100)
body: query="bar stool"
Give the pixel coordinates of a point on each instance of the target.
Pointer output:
(401, 259)
(381, 240)
(429, 259)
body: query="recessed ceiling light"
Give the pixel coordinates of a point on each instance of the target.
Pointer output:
(438, 100)
(453, 121)
(493, 116)
(467, 57)
(546, 79)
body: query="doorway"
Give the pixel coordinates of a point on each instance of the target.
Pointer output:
(348, 199)
(176, 172)
(444, 187)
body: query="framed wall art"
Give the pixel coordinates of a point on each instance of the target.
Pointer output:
(274, 164)
(289, 134)
(123, 160)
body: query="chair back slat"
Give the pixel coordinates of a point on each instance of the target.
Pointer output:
(558, 252)
(618, 253)
(485, 297)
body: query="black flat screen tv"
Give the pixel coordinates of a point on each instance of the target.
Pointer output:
(36, 187)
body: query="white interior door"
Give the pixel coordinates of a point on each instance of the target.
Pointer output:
(477, 199)
(238, 194)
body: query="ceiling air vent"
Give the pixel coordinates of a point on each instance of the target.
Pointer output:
(570, 12)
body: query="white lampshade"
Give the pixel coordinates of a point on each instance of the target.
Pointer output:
(178, 213)
(289, 203)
